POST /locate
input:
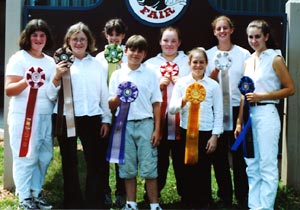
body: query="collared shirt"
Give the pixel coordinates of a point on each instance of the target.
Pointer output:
(238, 56)
(211, 109)
(263, 75)
(148, 90)
(18, 65)
(89, 89)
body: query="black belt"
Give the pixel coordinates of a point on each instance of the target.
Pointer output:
(259, 104)
(148, 118)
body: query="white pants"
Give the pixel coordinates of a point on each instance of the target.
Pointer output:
(262, 170)
(29, 172)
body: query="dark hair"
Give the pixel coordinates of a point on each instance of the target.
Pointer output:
(266, 29)
(80, 27)
(117, 25)
(170, 28)
(222, 17)
(137, 42)
(197, 50)
(31, 27)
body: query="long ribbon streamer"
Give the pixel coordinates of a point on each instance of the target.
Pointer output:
(68, 99)
(127, 92)
(223, 62)
(246, 85)
(35, 78)
(168, 69)
(195, 94)
(65, 96)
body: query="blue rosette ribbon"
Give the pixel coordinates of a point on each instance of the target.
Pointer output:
(246, 85)
(127, 92)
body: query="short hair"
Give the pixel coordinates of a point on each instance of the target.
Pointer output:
(80, 27)
(31, 27)
(115, 24)
(137, 42)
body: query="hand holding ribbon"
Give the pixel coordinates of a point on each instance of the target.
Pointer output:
(195, 94)
(127, 92)
(246, 85)
(35, 78)
(65, 94)
(168, 70)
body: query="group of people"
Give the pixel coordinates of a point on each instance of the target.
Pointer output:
(183, 106)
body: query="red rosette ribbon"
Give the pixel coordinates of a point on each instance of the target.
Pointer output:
(169, 69)
(35, 78)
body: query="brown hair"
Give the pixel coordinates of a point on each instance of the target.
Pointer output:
(81, 27)
(31, 27)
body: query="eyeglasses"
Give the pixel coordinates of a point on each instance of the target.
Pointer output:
(81, 40)
(257, 36)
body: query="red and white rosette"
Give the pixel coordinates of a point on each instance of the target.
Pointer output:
(35, 78)
(168, 69)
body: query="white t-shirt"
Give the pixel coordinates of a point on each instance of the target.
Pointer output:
(17, 65)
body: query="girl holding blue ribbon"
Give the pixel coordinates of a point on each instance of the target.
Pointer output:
(272, 82)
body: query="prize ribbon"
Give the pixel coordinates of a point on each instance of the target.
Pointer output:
(113, 53)
(195, 94)
(64, 54)
(168, 69)
(65, 96)
(223, 60)
(246, 85)
(35, 78)
(127, 92)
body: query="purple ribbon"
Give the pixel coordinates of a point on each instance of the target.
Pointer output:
(127, 92)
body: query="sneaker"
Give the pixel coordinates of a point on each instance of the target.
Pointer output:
(27, 203)
(42, 203)
(107, 200)
(120, 201)
(128, 207)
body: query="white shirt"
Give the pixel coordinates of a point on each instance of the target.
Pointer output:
(89, 89)
(182, 62)
(17, 65)
(148, 90)
(263, 75)
(238, 56)
(211, 109)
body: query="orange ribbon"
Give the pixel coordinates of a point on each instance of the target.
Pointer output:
(195, 94)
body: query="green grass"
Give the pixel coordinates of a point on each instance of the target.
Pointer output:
(287, 199)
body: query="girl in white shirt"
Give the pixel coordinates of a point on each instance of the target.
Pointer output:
(272, 82)
(197, 176)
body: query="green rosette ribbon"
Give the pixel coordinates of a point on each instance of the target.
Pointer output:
(113, 53)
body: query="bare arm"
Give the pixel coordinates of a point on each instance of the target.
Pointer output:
(14, 85)
(287, 83)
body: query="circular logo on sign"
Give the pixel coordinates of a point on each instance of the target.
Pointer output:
(157, 13)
